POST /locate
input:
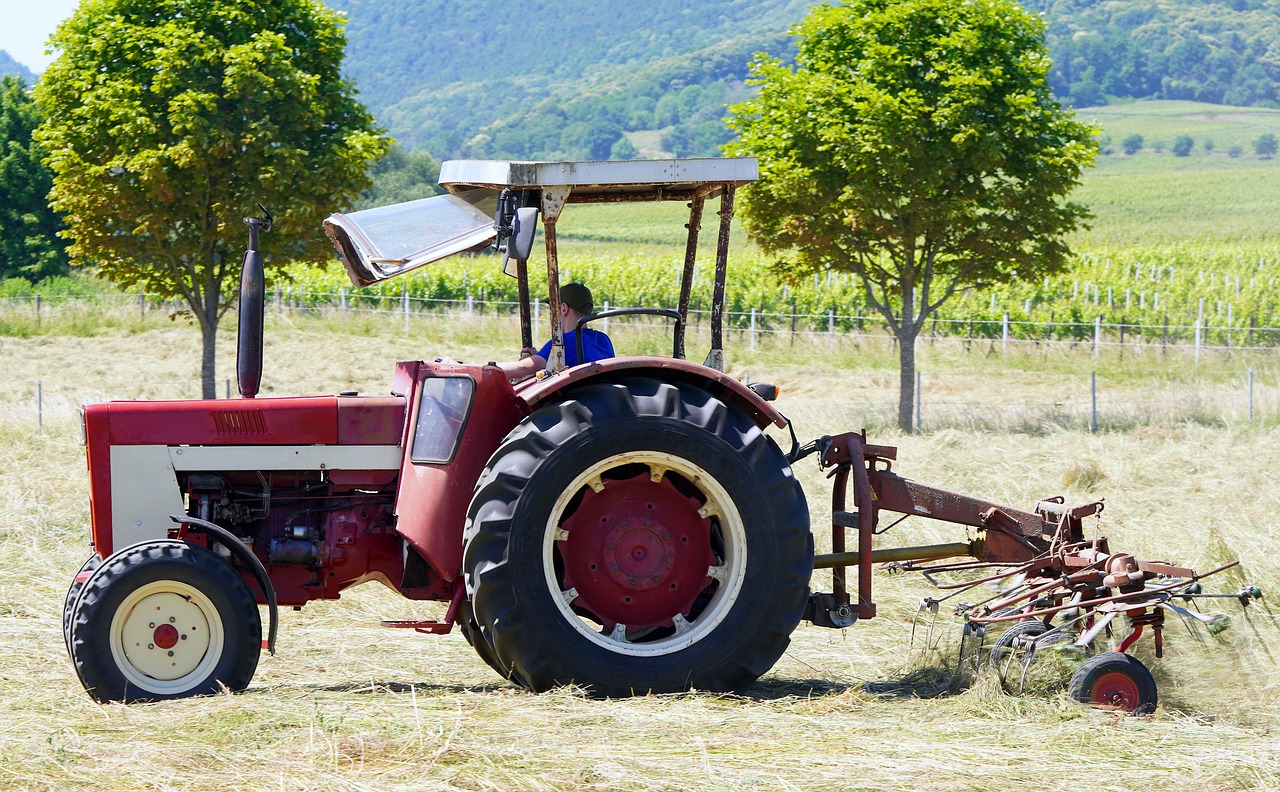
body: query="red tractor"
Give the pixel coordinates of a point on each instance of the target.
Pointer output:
(626, 525)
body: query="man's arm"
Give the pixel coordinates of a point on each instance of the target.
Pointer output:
(530, 363)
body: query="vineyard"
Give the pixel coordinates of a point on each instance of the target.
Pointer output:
(1158, 296)
(1177, 296)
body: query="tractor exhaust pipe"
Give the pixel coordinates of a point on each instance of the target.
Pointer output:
(253, 296)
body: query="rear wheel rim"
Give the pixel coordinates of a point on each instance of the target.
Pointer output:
(166, 637)
(644, 553)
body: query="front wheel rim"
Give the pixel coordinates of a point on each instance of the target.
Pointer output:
(644, 553)
(166, 637)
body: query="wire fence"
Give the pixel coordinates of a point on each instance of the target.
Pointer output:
(1198, 337)
(1079, 399)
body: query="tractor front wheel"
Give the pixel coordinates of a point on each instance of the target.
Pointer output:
(640, 537)
(164, 620)
(73, 594)
(1114, 681)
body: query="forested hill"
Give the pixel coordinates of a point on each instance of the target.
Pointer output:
(10, 66)
(540, 78)
(1219, 51)
(584, 78)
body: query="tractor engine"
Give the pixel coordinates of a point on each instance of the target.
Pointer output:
(317, 532)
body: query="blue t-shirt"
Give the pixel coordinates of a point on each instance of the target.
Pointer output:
(595, 346)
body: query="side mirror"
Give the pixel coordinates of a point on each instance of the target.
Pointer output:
(523, 229)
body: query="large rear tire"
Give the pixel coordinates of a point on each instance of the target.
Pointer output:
(640, 537)
(164, 620)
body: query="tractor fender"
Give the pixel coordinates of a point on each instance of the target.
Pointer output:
(535, 393)
(245, 556)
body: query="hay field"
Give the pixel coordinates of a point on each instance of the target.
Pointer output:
(348, 705)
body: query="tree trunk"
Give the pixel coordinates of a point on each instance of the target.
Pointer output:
(208, 354)
(906, 376)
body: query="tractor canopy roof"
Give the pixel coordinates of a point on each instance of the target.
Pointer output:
(375, 244)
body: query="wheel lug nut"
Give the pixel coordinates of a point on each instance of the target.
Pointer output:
(171, 654)
(152, 625)
(172, 619)
(151, 646)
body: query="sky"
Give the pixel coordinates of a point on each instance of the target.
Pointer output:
(25, 26)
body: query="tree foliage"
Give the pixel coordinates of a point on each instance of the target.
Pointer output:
(168, 121)
(916, 144)
(29, 244)
(1266, 146)
(401, 176)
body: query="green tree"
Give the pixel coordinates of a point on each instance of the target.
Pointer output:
(915, 143)
(623, 150)
(168, 121)
(1182, 145)
(1266, 146)
(1132, 144)
(29, 244)
(402, 176)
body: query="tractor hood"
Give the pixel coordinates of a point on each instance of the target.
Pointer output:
(376, 244)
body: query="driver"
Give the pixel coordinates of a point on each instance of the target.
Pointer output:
(575, 303)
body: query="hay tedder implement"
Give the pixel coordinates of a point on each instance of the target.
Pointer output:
(625, 524)
(1056, 585)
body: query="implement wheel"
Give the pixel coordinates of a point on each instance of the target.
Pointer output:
(641, 537)
(164, 620)
(1115, 681)
(1008, 646)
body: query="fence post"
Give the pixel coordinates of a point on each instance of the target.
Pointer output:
(917, 400)
(753, 329)
(228, 387)
(1093, 388)
(831, 328)
(342, 300)
(405, 305)
(37, 310)
(793, 321)
(1004, 335)
(1250, 395)
(1197, 341)
(1097, 336)
(471, 304)
(39, 407)
(604, 323)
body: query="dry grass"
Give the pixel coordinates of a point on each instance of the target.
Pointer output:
(348, 705)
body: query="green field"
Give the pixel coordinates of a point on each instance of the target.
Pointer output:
(1206, 223)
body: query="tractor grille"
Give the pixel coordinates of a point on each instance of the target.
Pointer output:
(238, 423)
